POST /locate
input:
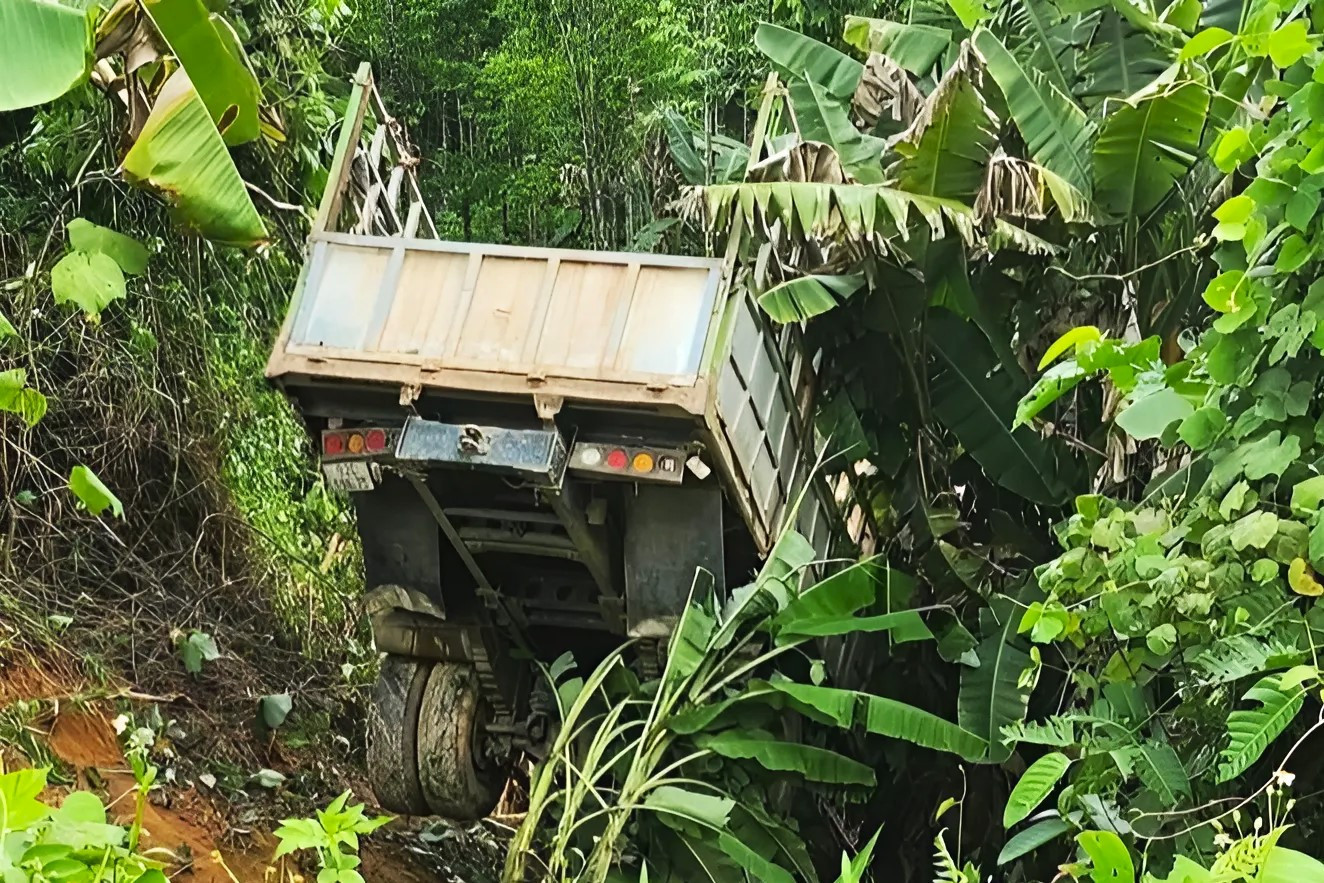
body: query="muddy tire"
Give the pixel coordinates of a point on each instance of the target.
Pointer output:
(459, 781)
(393, 735)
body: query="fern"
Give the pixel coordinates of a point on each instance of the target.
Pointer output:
(1251, 730)
(945, 869)
(1240, 656)
(1160, 769)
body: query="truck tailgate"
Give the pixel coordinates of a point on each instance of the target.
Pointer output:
(538, 314)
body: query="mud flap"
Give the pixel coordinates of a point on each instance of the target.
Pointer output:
(670, 532)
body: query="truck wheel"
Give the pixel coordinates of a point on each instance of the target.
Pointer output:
(393, 735)
(459, 780)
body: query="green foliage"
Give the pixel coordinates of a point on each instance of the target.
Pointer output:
(73, 841)
(195, 648)
(47, 52)
(685, 767)
(1034, 786)
(93, 493)
(333, 835)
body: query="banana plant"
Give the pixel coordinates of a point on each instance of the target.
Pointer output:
(180, 76)
(683, 768)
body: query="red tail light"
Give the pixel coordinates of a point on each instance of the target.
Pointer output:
(617, 459)
(375, 440)
(333, 445)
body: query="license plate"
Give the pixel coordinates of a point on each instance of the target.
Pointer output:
(352, 475)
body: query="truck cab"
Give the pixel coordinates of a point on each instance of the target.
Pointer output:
(547, 450)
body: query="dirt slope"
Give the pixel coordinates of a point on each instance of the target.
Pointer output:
(191, 827)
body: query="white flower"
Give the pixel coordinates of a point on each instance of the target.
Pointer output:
(120, 724)
(1284, 778)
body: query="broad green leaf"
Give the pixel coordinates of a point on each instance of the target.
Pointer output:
(1251, 730)
(1056, 382)
(1147, 417)
(197, 647)
(127, 252)
(1147, 144)
(1110, 858)
(1121, 61)
(915, 48)
(1202, 428)
(991, 697)
(1069, 340)
(1034, 786)
(977, 400)
(1283, 865)
(1233, 216)
(946, 150)
(1288, 43)
(94, 495)
(180, 153)
(813, 763)
(1232, 148)
(706, 809)
(849, 709)
(1056, 131)
(1254, 530)
(971, 12)
(840, 594)
(1308, 494)
(90, 280)
(823, 117)
(773, 589)
(19, 803)
(797, 300)
(223, 81)
(1223, 290)
(808, 59)
(18, 398)
(275, 708)
(692, 636)
(80, 822)
(749, 860)
(45, 50)
(850, 625)
(1041, 33)
(1032, 838)
(1205, 42)
(1293, 254)
(7, 328)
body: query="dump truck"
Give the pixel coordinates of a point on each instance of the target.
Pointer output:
(544, 448)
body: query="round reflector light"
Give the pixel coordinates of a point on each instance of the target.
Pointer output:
(617, 459)
(590, 456)
(375, 440)
(356, 444)
(642, 462)
(333, 445)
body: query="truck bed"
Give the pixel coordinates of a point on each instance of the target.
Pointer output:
(629, 329)
(385, 308)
